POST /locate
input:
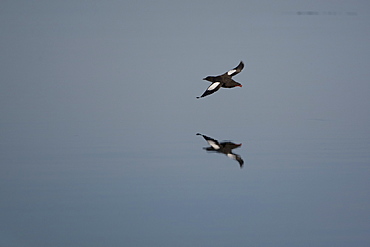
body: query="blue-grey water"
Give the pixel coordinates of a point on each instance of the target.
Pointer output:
(98, 125)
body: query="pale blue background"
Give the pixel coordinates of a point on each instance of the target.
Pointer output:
(98, 118)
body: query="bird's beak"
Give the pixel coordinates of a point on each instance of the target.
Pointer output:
(204, 78)
(240, 85)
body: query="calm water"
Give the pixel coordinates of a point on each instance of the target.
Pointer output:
(98, 123)
(290, 192)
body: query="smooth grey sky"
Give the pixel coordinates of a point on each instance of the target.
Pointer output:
(98, 118)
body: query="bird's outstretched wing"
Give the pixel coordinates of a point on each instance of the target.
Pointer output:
(236, 70)
(211, 89)
(212, 142)
(237, 158)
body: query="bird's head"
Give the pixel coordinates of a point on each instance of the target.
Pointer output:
(208, 78)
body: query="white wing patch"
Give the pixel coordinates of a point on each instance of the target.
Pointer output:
(231, 156)
(231, 71)
(213, 144)
(213, 86)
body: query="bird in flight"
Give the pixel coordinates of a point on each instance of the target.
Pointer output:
(225, 80)
(224, 148)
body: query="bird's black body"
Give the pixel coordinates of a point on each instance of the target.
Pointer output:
(225, 80)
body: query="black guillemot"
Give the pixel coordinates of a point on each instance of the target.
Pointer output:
(225, 80)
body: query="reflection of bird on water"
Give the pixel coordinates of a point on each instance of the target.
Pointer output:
(223, 80)
(223, 147)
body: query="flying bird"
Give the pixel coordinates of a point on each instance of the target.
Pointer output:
(224, 148)
(225, 80)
